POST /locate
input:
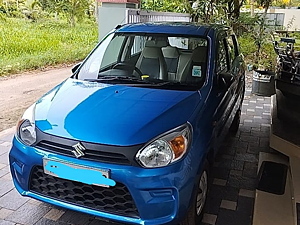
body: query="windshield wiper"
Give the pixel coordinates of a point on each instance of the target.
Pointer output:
(123, 79)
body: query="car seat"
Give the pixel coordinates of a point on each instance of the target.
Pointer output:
(194, 70)
(171, 55)
(151, 61)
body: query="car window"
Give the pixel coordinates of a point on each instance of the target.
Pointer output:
(222, 62)
(235, 45)
(232, 47)
(138, 44)
(91, 66)
(112, 51)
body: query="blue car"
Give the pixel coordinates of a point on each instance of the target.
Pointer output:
(131, 135)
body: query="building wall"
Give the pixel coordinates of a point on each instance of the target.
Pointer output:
(289, 14)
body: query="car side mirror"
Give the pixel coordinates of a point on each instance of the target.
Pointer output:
(75, 67)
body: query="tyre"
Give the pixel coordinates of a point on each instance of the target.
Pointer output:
(234, 127)
(195, 212)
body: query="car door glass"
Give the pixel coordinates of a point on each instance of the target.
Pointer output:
(222, 62)
(231, 49)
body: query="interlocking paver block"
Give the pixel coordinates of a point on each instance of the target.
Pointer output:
(28, 214)
(3, 173)
(45, 221)
(4, 158)
(54, 214)
(220, 182)
(73, 217)
(4, 149)
(7, 176)
(34, 202)
(228, 217)
(219, 173)
(237, 164)
(4, 222)
(224, 192)
(241, 182)
(225, 204)
(12, 200)
(5, 187)
(209, 218)
(248, 138)
(250, 169)
(5, 212)
(247, 157)
(5, 144)
(236, 172)
(247, 193)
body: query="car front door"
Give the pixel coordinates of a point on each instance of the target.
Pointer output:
(226, 88)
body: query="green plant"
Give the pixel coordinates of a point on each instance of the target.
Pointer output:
(267, 56)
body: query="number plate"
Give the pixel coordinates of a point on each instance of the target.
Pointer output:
(78, 173)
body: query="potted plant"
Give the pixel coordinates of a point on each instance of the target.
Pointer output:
(263, 81)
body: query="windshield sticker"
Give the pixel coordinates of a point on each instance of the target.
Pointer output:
(196, 71)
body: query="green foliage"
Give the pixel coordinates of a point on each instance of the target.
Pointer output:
(25, 45)
(73, 10)
(266, 59)
(179, 6)
(32, 10)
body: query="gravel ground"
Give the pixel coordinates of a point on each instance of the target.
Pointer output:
(18, 92)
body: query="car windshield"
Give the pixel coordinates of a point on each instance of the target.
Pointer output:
(148, 60)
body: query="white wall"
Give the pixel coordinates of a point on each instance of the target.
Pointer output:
(289, 13)
(110, 15)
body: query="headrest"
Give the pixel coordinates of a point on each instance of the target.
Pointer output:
(170, 52)
(199, 54)
(150, 52)
(156, 43)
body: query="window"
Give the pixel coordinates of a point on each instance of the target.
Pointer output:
(222, 62)
(112, 51)
(232, 48)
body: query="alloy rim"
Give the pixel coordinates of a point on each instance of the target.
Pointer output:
(202, 192)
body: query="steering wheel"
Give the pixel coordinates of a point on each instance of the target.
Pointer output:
(133, 67)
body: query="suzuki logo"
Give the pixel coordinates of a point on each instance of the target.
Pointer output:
(78, 150)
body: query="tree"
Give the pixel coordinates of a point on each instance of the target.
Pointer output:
(179, 6)
(31, 9)
(74, 10)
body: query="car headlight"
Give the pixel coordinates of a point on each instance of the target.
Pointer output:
(167, 148)
(26, 127)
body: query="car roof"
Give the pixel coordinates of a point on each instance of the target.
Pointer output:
(176, 28)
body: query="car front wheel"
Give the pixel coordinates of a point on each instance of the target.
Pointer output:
(195, 212)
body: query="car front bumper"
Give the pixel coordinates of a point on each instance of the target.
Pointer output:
(160, 195)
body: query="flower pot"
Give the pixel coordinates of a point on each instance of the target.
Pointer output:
(263, 82)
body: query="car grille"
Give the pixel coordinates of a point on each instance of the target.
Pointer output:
(95, 155)
(115, 200)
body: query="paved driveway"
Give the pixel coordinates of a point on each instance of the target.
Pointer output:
(232, 183)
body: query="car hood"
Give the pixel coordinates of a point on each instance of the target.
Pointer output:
(112, 114)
